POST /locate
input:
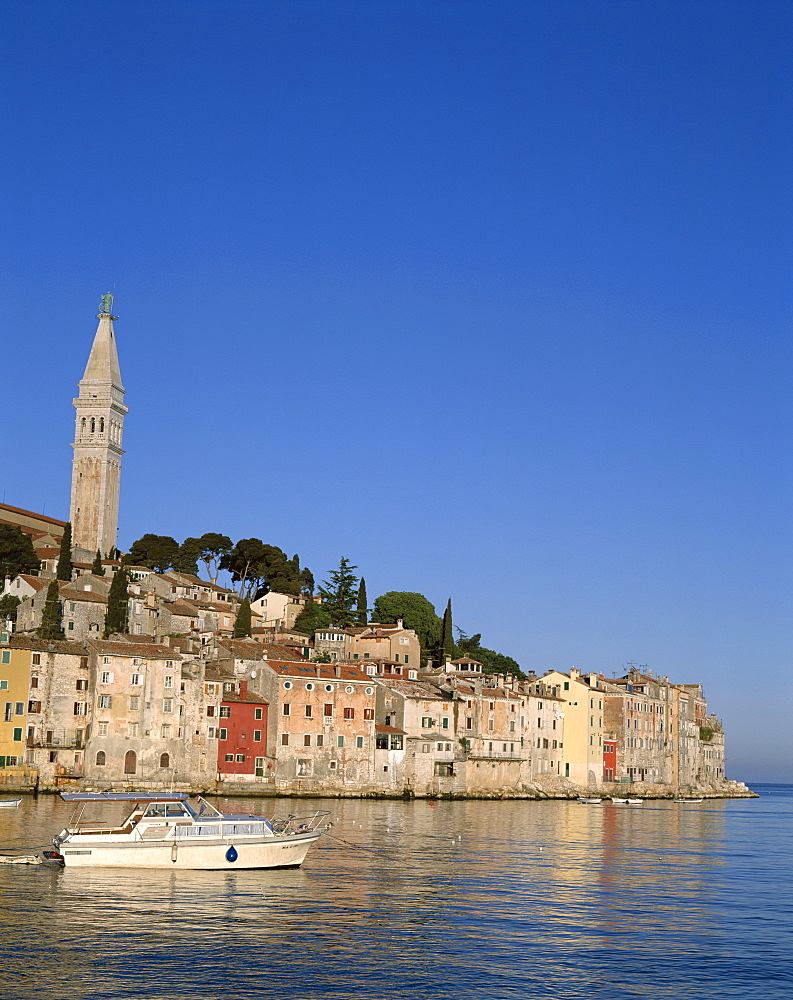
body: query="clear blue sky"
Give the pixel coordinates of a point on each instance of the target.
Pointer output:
(492, 298)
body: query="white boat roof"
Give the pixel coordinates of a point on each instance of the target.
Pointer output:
(124, 796)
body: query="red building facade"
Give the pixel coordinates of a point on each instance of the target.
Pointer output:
(242, 735)
(609, 759)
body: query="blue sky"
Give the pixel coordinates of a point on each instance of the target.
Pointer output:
(492, 298)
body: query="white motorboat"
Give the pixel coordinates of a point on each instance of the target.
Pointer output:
(619, 802)
(635, 802)
(163, 830)
(685, 801)
(590, 801)
(9, 803)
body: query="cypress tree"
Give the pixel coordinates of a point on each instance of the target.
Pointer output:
(447, 639)
(116, 617)
(50, 627)
(363, 611)
(98, 569)
(64, 570)
(242, 625)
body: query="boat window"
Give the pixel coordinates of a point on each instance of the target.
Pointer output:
(155, 809)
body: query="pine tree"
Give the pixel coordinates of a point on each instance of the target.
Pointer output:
(363, 611)
(116, 617)
(50, 627)
(242, 626)
(98, 569)
(64, 570)
(447, 638)
(339, 594)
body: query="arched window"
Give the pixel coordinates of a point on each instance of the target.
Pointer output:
(130, 762)
(82, 426)
(101, 425)
(100, 759)
(165, 760)
(93, 424)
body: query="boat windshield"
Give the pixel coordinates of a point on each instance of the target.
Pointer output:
(163, 810)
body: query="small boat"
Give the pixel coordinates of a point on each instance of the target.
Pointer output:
(635, 802)
(9, 803)
(620, 802)
(163, 830)
(590, 801)
(684, 801)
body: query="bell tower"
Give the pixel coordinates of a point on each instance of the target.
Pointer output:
(96, 466)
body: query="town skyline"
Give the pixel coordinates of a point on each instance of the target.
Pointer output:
(490, 335)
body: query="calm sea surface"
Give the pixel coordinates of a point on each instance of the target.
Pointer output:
(408, 900)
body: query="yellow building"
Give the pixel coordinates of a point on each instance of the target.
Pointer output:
(14, 682)
(582, 754)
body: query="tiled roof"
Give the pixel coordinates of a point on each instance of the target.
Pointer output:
(389, 729)
(46, 645)
(317, 671)
(152, 650)
(253, 699)
(30, 513)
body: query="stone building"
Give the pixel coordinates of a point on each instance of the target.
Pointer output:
(99, 427)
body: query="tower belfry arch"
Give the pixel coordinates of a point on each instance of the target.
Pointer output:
(99, 429)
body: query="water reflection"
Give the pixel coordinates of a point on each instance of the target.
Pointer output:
(501, 899)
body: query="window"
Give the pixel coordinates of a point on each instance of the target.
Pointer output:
(34, 707)
(100, 758)
(257, 713)
(328, 687)
(320, 740)
(426, 722)
(359, 742)
(339, 741)
(211, 733)
(225, 712)
(327, 710)
(307, 740)
(6, 658)
(168, 681)
(259, 767)
(257, 736)
(368, 714)
(132, 730)
(17, 734)
(165, 732)
(222, 734)
(240, 758)
(285, 708)
(167, 704)
(79, 708)
(349, 713)
(308, 711)
(333, 765)
(284, 739)
(229, 758)
(445, 722)
(81, 684)
(34, 682)
(36, 659)
(106, 701)
(107, 677)
(101, 729)
(309, 686)
(134, 703)
(287, 685)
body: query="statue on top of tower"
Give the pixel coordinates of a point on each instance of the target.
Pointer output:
(106, 305)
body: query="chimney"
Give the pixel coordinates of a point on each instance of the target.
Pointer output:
(574, 674)
(337, 671)
(400, 623)
(243, 689)
(318, 670)
(593, 680)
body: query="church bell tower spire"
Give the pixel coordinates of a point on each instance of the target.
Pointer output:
(96, 466)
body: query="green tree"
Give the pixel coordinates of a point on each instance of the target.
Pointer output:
(323, 657)
(339, 594)
(313, 616)
(362, 610)
(8, 608)
(50, 627)
(16, 552)
(306, 582)
(186, 558)
(155, 551)
(97, 568)
(260, 568)
(242, 625)
(415, 611)
(446, 645)
(116, 617)
(64, 570)
(212, 549)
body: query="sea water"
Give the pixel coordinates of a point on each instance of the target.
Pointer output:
(410, 900)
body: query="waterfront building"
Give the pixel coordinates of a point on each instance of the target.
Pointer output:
(14, 681)
(582, 695)
(242, 734)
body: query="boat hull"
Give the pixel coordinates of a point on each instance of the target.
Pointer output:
(215, 855)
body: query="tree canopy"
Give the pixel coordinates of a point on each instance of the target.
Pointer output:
(155, 551)
(260, 568)
(446, 645)
(64, 569)
(16, 552)
(313, 616)
(116, 617)
(8, 608)
(97, 568)
(415, 611)
(50, 627)
(340, 593)
(187, 555)
(242, 625)
(212, 549)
